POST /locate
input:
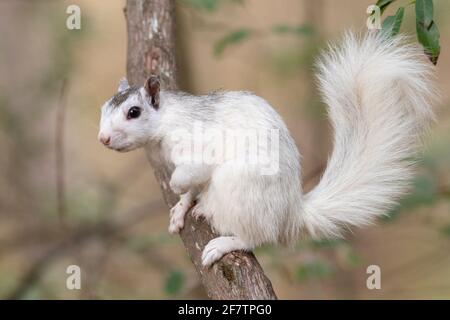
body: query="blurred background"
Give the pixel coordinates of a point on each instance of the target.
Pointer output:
(66, 200)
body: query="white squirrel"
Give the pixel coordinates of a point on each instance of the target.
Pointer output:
(379, 91)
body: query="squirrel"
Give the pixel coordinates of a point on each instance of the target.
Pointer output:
(379, 91)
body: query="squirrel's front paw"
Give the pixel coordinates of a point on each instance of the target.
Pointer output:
(177, 214)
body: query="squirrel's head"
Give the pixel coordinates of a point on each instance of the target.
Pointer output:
(128, 118)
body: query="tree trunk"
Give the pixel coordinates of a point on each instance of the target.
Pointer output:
(151, 50)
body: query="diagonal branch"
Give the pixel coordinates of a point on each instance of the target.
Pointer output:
(151, 50)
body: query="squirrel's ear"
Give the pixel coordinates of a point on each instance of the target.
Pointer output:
(152, 86)
(123, 85)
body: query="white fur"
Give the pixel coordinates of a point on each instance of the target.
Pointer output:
(178, 211)
(378, 93)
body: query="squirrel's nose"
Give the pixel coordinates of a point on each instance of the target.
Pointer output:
(105, 139)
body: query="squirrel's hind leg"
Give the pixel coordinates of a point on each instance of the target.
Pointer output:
(220, 246)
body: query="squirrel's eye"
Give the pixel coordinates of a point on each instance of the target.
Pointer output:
(134, 112)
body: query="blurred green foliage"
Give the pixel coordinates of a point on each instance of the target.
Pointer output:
(325, 243)
(174, 282)
(446, 231)
(353, 259)
(423, 193)
(209, 5)
(64, 46)
(430, 186)
(10, 121)
(239, 35)
(232, 37)
(144, 242)
(302, 30)
(313, 270)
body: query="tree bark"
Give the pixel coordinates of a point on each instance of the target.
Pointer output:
(151, 50)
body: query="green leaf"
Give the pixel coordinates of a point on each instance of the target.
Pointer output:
(174, 282)
(383, 4)
(424, 12)
(315, 269)
(286, 29)
(427, 31)
(231, 38)
(391, 25)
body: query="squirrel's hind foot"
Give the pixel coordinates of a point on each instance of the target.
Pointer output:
(218, 247)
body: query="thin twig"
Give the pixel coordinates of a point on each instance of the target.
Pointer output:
(59, 153)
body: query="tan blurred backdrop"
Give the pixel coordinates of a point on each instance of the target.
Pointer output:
(114, 221)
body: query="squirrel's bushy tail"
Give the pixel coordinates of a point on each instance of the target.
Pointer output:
(379, 91)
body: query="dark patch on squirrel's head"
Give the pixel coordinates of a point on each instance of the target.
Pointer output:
(122, 96)
(153, 86)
